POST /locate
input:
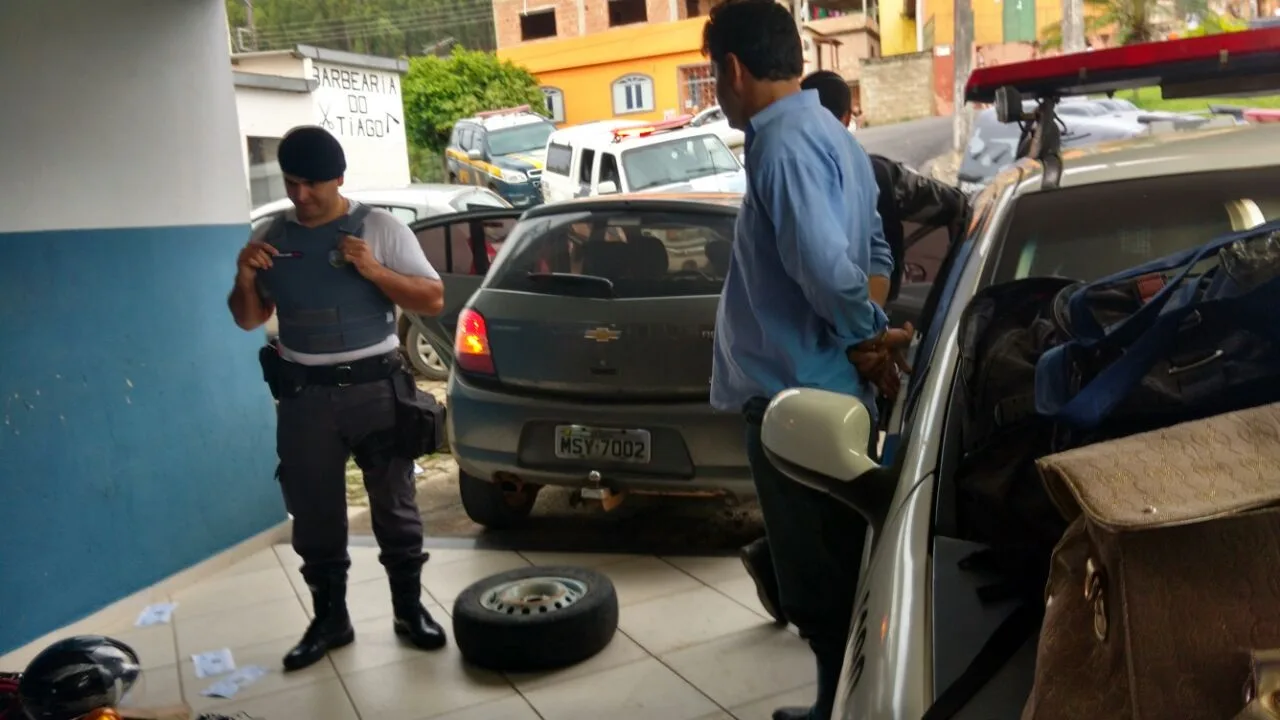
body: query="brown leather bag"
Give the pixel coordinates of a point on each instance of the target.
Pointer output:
(1168, 577)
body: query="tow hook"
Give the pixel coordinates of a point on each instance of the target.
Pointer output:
(595, 490)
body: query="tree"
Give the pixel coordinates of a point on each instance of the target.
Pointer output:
(440, 91)
(1139, 21)
(390, 28)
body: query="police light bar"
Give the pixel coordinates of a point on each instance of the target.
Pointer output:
(1234, 64)
(676, 123)
(504, 111)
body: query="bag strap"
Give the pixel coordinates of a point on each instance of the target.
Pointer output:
(1003, 644)
(353, 223)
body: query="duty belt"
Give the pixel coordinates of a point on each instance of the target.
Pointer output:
(356, 372)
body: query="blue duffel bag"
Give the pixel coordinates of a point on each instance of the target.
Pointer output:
(1207, 342)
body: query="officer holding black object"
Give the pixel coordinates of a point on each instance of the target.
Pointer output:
(334, 271)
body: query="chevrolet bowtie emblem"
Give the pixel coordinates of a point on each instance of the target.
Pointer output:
(602, 334)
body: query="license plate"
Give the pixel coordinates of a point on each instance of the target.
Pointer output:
(576, 442)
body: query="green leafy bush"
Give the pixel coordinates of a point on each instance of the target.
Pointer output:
(439, 91)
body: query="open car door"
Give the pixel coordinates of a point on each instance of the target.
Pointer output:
(933, 217)
(461, 247)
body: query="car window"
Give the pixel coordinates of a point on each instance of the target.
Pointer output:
(585, 166)
(650, 254)
(559, 158)
(262, 222)
(480, 198)
(1131, 222)
(609, 170)
(677, 161)
(466, 137)
(406, 215)
(520, 139)
(449, 246)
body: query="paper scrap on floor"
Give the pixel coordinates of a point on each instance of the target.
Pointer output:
(157, 614)
(230, 685)
(417, 469)
(214, 662)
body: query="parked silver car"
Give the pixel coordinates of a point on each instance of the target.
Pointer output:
(919, 621)
(411, 204)
(581, 340)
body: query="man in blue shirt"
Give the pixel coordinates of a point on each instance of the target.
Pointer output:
(796, 307)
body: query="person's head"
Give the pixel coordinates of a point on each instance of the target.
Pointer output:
(755, 53)
(833, 93)
(313, 164)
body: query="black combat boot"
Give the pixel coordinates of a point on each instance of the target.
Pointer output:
(331, 628)
(412, 619)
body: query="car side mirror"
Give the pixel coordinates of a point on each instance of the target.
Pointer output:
(821, 439)
(475, 154)
(915, 273)
(607, 187)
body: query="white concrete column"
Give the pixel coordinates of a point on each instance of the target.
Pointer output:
(136, 434)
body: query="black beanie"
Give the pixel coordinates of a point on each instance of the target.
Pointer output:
(311, 153)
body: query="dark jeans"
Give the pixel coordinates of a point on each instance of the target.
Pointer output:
(816, 544)
(317, 431)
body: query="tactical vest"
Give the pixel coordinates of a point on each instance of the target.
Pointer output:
(323, 303)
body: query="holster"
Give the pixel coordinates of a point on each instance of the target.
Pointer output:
(272, 364)
(419, 419)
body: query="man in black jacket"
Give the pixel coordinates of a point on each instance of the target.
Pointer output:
(904, 195)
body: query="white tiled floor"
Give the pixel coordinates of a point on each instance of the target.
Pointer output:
(693, 643)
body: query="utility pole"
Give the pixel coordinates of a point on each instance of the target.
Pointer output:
(1072, 26)
(962, 53)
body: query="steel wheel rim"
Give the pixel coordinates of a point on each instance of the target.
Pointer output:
(534, 596)
(429, 356)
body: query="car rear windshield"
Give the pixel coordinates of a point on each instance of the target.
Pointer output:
(520, 139)
(677, 161)
(1090, 232)
(639, 253)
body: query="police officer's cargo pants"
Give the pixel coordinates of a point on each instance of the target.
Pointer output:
(319, 428)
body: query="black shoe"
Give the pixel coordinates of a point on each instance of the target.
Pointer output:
(331, 627)
(792, 713)
(412, 621)
(759, 564)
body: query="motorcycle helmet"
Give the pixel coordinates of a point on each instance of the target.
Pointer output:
(75, 677)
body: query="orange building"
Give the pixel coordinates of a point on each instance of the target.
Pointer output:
(643, 72)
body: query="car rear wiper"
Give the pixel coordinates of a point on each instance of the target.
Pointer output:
(595, 285)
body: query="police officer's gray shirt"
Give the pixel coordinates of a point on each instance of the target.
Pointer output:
(394, 246)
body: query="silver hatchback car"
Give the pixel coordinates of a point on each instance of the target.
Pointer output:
(580, 338)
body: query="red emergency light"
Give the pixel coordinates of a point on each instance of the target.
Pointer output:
(675, 123)
(503, 111)
(1238, 64)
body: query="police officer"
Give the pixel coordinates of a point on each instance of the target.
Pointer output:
(904, 195)
(334, 272)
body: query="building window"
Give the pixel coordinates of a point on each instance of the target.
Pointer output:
(697, 87)
(555, 103)
(266, 182)
(628, 12)
(538, 24)
(632, 94)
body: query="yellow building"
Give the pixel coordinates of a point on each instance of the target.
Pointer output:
(897, 20)
(995, 22)
(643, 72)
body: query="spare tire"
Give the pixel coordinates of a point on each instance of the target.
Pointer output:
(535, 618)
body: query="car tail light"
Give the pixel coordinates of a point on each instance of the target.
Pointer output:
(471, 344)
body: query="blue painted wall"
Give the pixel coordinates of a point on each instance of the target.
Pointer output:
(136, 435)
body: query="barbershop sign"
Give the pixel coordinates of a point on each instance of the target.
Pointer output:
(356, 103)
